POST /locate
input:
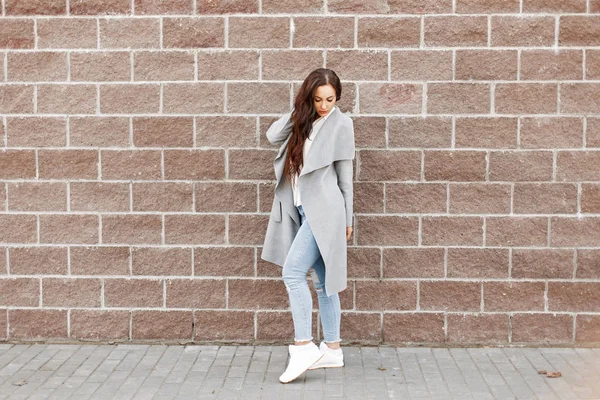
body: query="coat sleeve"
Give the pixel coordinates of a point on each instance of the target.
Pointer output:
(280, 129)
(344, 169)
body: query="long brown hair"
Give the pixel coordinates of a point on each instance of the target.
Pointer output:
(304, 114)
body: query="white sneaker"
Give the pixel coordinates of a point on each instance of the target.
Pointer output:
(301, 357)
(331, 358)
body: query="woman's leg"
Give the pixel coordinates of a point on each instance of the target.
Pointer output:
(302, 255)
(330, 309)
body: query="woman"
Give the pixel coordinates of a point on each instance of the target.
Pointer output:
(311, 216)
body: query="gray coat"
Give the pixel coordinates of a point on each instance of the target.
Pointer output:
(325, 185)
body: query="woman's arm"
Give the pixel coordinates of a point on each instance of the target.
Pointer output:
(344, 169)
(280, 129)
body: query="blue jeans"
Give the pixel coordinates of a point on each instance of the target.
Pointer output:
(304, 254)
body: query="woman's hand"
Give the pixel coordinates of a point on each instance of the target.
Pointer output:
(348, 232)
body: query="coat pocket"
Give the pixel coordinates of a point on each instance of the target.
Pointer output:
(277, 210)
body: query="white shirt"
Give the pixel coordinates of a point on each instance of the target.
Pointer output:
(317, 124)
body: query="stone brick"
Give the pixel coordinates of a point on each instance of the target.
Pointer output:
(99, 7)
(92, 196)
(525, 98)
(133, 293)
(161, 261)
(99, 324)
(190, 98)
(548, 132)
(592, 63)
(62, 33)
(257, 294)
(46, 66)
(594, 6)
(484, 132)
(450, 296)
(415, 198)
(259, 32)
(554, 6)
(99, 260)
(275, 325)
(225, 197)
(17, 164)
(573, 296)
(335, 32)
(480, 198)
(36, 131)
(163, 65)
(453, 31)
(390, 98)
(593, 132)
(522, 31)
(513, 296)
(588, 264)
(99, 131)
(486, 65)
(129, 98)
(37, 196)
(68, 164)
(389, 32)
(251, 164)
(487, 6)
(129, 33)
(358, 64)
(542, 328)
(575, 231)
(293, 64)
(16, 34)
(71, 292)
(18, 228)
(258, 97)
(413, 328)
(157, 7)
(517, 166)
(194, 32)
(183, 229)
(421, 65)
(100, 66)
(196, 293)
(577, 165)
(452, 231)
(368, 197)
(579, 30)
(221, 261)
(3, 323)
(545, 198)
(360, 326)
(19, 292)
(363, 262)
(131, 164)
(16, 99)
(38, 260)
(162, 197)
(387, 230)
(580, 98)
(229, 64)
(227, 7)
(551, 65)
(243, 229)
(3, 265)
(458, 98)
(69, 229)
(386, 295)
(477, 263)
(164, 325)
(516, 231)
(588, 328)
(132, 229)
(420, 132)
(37, 324)
(413, 262)
(35, 7)
(478, 328)
(542, 264)
(454, 165)
(194, 164)
(223, 325)
(292, 6)
(226, 131)
(380, 165)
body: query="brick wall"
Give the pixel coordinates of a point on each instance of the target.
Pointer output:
(136, 179)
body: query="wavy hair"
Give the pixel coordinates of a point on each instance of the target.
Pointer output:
(304, 114)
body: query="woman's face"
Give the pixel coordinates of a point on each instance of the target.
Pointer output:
(324, 99)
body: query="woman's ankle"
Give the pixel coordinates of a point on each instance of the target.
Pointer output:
(303, 343)
(333, 345)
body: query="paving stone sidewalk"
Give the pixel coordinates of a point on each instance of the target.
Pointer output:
(60, 371)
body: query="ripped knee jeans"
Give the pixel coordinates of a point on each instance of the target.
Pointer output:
(304, 254)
